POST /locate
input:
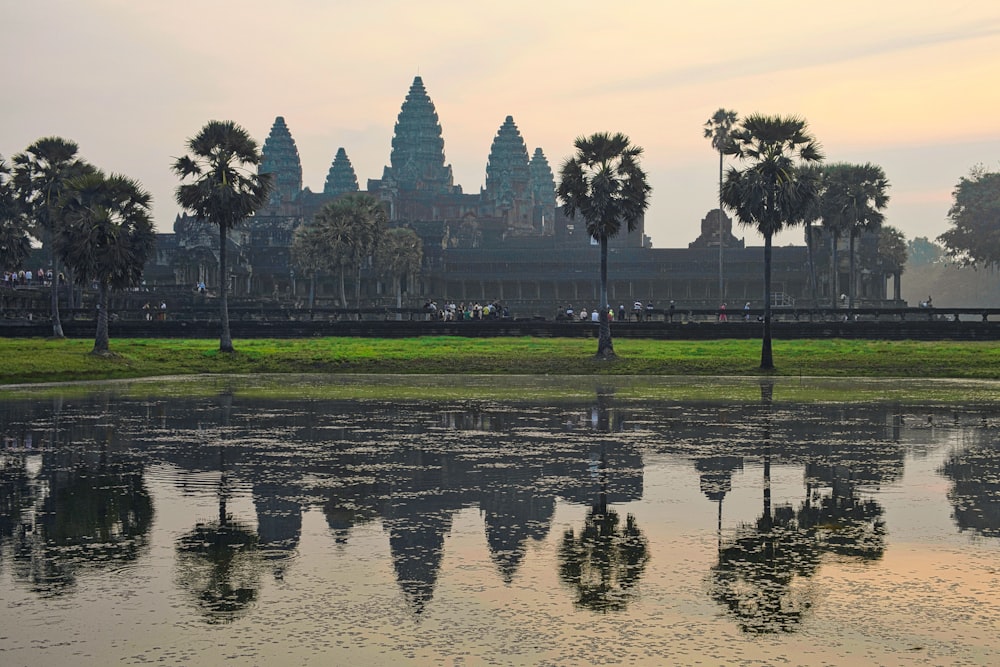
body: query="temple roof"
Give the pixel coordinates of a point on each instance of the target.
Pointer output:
(507, 173)
(417, 157)
(341, 178)
(281, 158)
(543, 183)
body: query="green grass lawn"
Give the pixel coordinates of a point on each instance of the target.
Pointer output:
(24, 360)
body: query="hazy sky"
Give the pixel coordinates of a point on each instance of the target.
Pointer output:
(912, 86)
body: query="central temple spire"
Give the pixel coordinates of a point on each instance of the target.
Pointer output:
(417, 157)
(281, 158)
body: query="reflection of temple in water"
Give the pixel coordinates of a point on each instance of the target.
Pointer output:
(413, 466)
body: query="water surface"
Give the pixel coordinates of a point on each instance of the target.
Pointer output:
(484, 520)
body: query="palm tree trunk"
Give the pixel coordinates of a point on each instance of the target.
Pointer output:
(101, 337)
(722, 295)
(835, 268)
(605, 348)
(343, 292)
(850, 274)
(812, 263)
(766, 355)
(399, 297)
(57, 330)
(357, 288)
(226, 341)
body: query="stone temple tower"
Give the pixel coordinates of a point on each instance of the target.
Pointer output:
(508, 178)
(281, 158)
(417, 158)
(543, 193)
(341, 178)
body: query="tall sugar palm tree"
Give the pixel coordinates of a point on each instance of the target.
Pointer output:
(347, 233)
(368, 218)
(40, 176)
(106, 237)
(718, 129)
(772, 190)
(400, 253)
(854, 196)
(605, 185)
(223, 191)
(15, 244)
(337, 237)
(810, 216)
(307, 253)
(892, 255)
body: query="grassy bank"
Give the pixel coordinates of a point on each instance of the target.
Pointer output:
(41, 360)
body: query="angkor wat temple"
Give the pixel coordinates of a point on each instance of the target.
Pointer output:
(509, 242)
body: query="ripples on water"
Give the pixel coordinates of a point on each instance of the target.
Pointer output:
(606, 525)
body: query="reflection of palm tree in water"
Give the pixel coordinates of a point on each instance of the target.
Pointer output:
(756, 569)
(218, 560)
(605, 561)
(759, 571)
(716, 480)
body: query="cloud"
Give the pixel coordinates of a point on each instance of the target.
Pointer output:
(820, 54)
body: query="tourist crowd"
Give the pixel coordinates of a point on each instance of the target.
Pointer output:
(640, 312)
(27, 278)
(450, 312)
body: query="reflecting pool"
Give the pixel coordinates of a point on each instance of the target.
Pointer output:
(330, 520)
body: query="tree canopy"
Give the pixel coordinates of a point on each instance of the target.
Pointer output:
(344, 233)
(718, 129)
(974, 236)
(852, 200)
(892, 248)
(772, 189)
(106, 237)
(222, 190)
(605, 185)
(15, 244)
(40, 175)
(921, 250)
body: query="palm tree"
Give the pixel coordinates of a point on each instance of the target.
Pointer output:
(368, 218)
(15, 244)
(892, 254)
(307, 253)
(604, 183)
(772, 191)
(224, 191)
(718, 128)
(399, 254)
(347, 231)
(106, 237)
(40, 176)
(854, 196)
(810, 216)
